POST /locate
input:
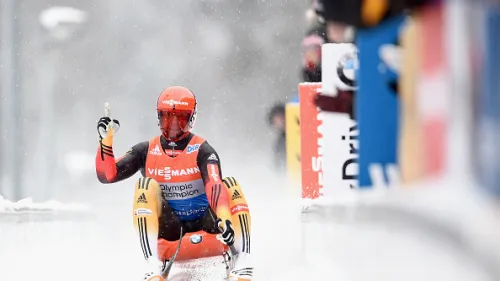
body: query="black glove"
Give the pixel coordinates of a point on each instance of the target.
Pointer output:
(104, 124)
(227, 236)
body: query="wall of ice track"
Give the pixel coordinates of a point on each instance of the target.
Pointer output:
(51, 209)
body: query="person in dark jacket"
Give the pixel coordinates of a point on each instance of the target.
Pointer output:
(276, 119)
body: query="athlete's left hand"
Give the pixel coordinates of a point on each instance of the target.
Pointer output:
(227, 235)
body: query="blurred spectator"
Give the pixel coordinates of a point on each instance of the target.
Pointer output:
(339, 32)
(319, 33)
(311, 47)
(276, 119)
(311, 58)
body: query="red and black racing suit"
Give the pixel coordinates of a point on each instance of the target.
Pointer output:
(135, 160)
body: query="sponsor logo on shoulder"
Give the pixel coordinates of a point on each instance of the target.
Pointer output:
(213, 157)
(142, 211)
(142, 199)
(214, 172)
(236, 195)
(239, 208)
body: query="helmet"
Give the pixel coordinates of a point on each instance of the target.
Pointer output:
(176, 109)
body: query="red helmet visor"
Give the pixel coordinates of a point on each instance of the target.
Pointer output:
(174, 122)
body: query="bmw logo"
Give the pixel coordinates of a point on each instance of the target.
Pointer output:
(195, 238)
(346, 69)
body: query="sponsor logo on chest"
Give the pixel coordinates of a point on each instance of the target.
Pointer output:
(192, 148)
(155, 151)
(182, 190)
(168, 173)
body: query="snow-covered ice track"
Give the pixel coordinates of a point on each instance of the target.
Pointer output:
(458, 217)
(393, 217)
(412, 234)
